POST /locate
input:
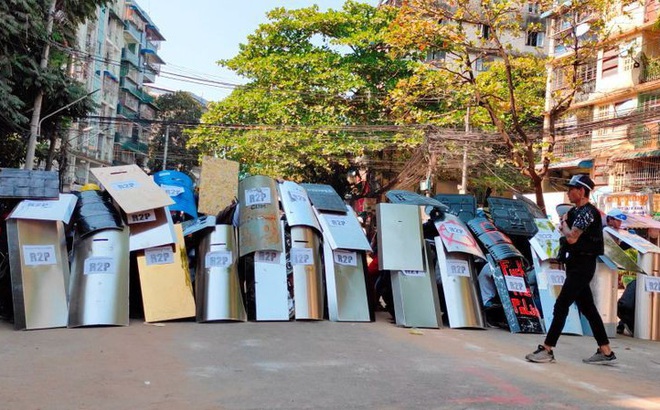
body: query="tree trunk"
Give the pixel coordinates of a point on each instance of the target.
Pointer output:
(51, 151)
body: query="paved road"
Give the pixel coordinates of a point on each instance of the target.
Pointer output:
(313, 365)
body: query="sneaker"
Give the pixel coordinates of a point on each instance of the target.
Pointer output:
(540, 355)
(600, 358)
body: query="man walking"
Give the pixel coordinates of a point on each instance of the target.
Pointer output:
(582, 229)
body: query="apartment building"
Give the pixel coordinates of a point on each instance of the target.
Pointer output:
(611, 129)
(116, 55)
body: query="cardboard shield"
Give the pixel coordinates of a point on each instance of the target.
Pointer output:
(259, 219)
(305, 259)
(100, 279)
(167, 292)
(217, 286)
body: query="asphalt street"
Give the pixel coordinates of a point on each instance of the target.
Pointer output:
(314, 365)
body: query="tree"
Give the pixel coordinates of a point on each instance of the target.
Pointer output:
(314, 80)
(23, 36)
(176, 108)
(509, 97)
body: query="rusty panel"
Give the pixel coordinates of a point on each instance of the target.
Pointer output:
(259, 223)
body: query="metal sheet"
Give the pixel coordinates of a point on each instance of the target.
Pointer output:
(297, 206)
(604, 287)
(346, 287)
(548, 279)
(39, 267)
(413, 198)
(217, 286)
(459, 288)
(100, 280)
(463, 206)
(271, 292)
(25, 183)
(167, 291)
(635, 241)
(259, 224)
(618, 255)
(512, 216)
(325, 198)
(399, 237)
(521, 313)
(343, 231)
(456, 237)
(307, 273)
(415, 295)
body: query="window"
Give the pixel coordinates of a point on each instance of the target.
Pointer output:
(623, 108)
(436, 55)
(533, 7)
(535, 39)
(610, 62)
(481, 64)
(484, 31)
(587, 72)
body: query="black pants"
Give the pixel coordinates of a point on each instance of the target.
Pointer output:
(579, 272)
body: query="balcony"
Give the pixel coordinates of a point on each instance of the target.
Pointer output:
(131, 33)
(651, 70)
(130, 56)
(644, 136)
(584, 92)
(573, 146)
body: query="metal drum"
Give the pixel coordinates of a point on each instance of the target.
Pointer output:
(39, 273)
(100, 280)
(307, 273)
(217, 285)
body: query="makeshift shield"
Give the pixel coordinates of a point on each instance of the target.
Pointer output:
(259, 224)
(100, 279)
(217, 285)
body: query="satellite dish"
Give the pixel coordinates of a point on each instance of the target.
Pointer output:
(582, 29)
(562, 209)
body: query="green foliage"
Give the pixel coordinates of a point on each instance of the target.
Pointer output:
(177, 107)
(23, 36)
(314, 78)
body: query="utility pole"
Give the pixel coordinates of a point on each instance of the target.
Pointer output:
(463, 189)
(36, 110)
(167, 143)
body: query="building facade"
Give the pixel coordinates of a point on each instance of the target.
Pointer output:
(116, 54)
(611, 128)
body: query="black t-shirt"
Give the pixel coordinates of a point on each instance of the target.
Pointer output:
(587, 219)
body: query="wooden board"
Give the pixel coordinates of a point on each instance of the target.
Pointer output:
(132, 188)
(218, 186)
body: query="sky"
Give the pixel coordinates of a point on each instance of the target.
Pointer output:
(198, 33)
